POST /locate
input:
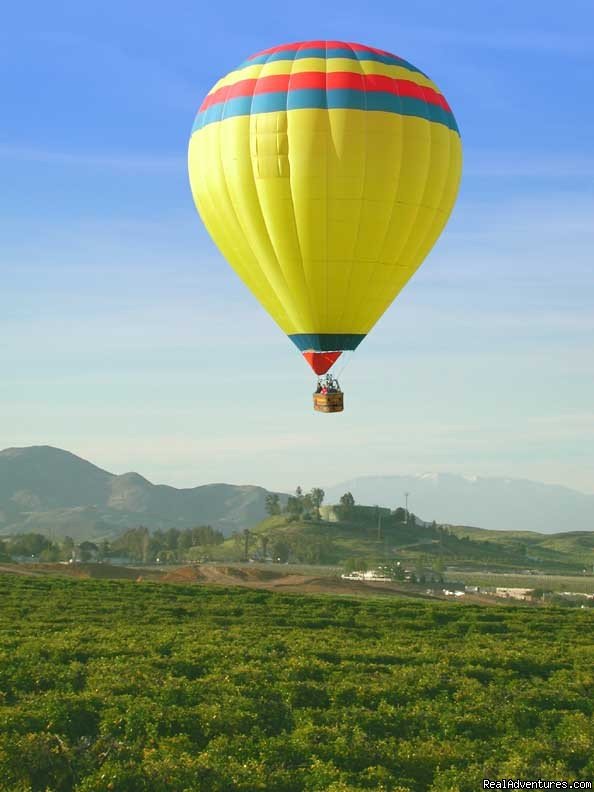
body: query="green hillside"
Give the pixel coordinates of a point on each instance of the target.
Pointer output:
(573, 549)
(378, 534)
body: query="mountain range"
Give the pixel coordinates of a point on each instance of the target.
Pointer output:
(492, 503)
(48, 490)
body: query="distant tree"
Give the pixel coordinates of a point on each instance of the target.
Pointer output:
(157, 546)
(307, 506)
(135, 543)
(185, 540)
(355, 565)
(317, 498)
(246, 543)
(310, 549)
(350, 565)
(347, 500)
(206, 535)
(299, 493)
(281, 550)
(377, 517)
(237, 541)
(294, 506)
(159, 538)
(264, 540)
(346, 506)
(272, 504)
(87, 549)
(400, 514)
(50, 553)
(172, 538)
(145, 545)
(419, 573)
(31, 544)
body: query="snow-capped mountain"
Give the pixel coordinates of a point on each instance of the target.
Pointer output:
(496, 503)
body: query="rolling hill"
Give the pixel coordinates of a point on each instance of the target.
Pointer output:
(363, 536)
(48, 490)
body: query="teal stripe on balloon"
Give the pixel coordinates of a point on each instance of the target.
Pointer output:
(335, 52)
(334, 99)
(326, 342)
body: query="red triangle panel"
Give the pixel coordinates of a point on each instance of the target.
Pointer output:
(321, 362)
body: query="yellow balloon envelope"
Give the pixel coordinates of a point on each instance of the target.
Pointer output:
(325, 172)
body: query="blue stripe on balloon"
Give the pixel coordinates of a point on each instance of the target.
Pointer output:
(326, 342)
(334, 99)
(318, 52)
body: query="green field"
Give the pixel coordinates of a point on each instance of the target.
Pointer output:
(147, 687)
(583, 584)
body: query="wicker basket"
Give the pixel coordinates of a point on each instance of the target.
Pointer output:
(328, 402)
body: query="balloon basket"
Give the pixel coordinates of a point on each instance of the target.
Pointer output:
(328, 402)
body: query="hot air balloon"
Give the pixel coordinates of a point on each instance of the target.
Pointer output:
(325, 171)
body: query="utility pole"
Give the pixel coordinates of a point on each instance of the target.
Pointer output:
(406, 494)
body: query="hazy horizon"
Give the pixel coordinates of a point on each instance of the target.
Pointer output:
(306, 485)
(129, 341)
(42, 486)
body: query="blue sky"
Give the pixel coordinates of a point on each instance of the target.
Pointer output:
(126, 338)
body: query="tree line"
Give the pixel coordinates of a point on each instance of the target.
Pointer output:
(137, 544)
(301, 504)
(306, 506)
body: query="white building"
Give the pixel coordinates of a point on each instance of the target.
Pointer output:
(514, 593)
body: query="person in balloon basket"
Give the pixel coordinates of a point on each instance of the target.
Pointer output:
(329, 385)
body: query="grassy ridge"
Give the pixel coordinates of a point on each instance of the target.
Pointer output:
(584, 585)
(362, 536)
(573, 548)
(139, 687)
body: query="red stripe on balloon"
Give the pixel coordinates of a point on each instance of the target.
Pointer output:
(276, 83)
(304, 45)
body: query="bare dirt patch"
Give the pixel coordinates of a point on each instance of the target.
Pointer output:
(279, 580)
(227, 575)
